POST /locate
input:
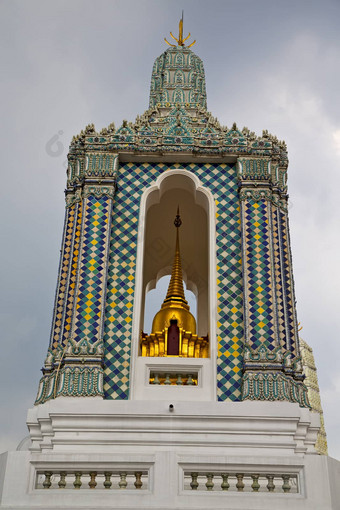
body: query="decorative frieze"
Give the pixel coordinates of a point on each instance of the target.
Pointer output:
(96, 166)
(100, 164)
(253, 168)
(273, 385)
(78, 381)
(99, 191)
(181, 127)
(256, 194)
(73, 371)
(273, 375)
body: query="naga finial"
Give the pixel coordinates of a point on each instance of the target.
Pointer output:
(180, 41)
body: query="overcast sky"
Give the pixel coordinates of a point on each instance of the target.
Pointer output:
(269, 65)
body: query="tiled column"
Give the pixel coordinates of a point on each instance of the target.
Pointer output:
(74, 364)
(271, 369)
(71, 229)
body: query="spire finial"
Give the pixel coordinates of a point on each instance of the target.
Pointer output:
(176, 289)
(180, 41)
(175, 306)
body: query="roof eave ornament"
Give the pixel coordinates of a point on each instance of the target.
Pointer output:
(180, 41)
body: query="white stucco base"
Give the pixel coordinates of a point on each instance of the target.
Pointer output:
(167, 446)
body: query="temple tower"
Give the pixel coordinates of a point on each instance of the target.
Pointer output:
(122, 189)
(200, 412)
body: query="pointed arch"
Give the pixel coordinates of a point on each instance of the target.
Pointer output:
(192, 78)
(179, 59)
(193, 96)
(165, 96)
(155, 242)
(178, 96)
(166, 77)
(179, 77)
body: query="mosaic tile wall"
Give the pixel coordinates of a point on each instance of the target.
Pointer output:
(71, 289)
(67, 276)
(92, 270)
(280, 290)
(288, 283)
(258, 265)
(132, 181)
(285, 297)
(63, 273)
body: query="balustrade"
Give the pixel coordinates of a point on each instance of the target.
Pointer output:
(241, 482)
(174, 378)
(285, 483)
(80, 480)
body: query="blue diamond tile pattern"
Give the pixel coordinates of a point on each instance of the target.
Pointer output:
(63, 276)
(132, 181)
(258, 269)
(92, 270)
(67, 276)
(288, 283)
(278, 264)
(72, 282)
(222, 182)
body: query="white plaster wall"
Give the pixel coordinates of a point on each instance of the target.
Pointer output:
(277, 427)
(202, 392)
(93, 434)
(166, 487)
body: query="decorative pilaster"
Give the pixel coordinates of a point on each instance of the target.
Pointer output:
(312, 384)
(67, 254)
(272, 366)
(74, 363)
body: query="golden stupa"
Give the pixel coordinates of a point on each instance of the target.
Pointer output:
(174, 327)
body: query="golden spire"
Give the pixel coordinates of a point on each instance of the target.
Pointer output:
(180, 41)
(175, 306)
(176, 289)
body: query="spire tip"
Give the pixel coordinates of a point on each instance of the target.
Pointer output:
(180, 40)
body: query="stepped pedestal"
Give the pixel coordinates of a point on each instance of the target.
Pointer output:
(92, 454)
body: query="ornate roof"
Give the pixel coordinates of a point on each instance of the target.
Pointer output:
(177, 122)
(180, 129)
(178, 78)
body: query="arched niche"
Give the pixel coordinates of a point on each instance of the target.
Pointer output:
(160, 240)
(155, 252)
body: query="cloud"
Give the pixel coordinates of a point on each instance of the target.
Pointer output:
(336, 140)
